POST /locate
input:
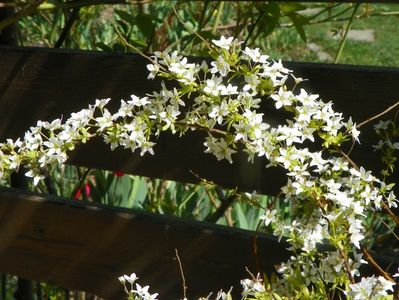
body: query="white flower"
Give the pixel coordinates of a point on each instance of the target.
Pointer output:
(382, 126)
(333, 125)
(242, 131)
(223, 296)
(101, 103)
(250, 287)
(371, 288)
(289, 134)
(122, 279)
(306, 99)
(228, 90)
(220, 66)
(33, 141)
(136, 101)
(130, 278)
(254, 55)
(212, 86)
(276, 72)
(104, 121)
(353, 130)
(35, 175)
(269, 216)
(219, 148)
(154, 69)
(146, 146)
(219, 111)
(282, 98)
(223, 42)
(169, 115)
(355, 230)
(252, 83)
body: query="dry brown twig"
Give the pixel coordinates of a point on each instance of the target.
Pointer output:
(378, 115)
(182, 275)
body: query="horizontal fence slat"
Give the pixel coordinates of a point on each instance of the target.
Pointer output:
(42, 84)
(85, 246)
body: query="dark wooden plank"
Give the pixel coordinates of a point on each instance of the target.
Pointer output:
(84, 246)
(78, 245)
(46, 84)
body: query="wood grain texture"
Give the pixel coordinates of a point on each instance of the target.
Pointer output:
(84, 246)
(46, 84)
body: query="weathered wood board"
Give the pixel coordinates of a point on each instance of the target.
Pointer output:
(85, 246)
(42, 84)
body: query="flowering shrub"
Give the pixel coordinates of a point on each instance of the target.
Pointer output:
(136, 291)
(332, 195)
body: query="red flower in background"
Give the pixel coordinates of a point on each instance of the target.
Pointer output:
(118, 173)
(79, 192)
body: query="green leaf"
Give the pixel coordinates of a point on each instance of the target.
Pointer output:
(241, 217)
(146, 24)
(128, 18)
(207, 35)
(291, 7)
(118, 47)
(103, 47)
(270, 19)
(299, 21)
(122, 27)
(138, 43)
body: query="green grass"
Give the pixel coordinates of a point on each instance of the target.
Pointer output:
(384, 51)
(96, 24)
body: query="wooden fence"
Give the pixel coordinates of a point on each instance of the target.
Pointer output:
(86, 246)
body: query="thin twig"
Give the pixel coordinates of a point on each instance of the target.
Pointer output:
(347, 158)
(343, 41)
(390, 213)
(137, 50)
(390, 229)
(190, 30)
(182, 275)
(377, 116)
(68, 25)
(371, 260)
(221, 210)
(217, 18)
(204, 128)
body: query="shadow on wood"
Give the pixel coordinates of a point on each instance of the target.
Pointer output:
(86, 246)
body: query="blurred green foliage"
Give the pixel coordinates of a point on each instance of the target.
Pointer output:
(289, 30)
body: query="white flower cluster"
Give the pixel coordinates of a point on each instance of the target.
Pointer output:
(136, 291)
(332, 195)
(372, 288)
(252, 286)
